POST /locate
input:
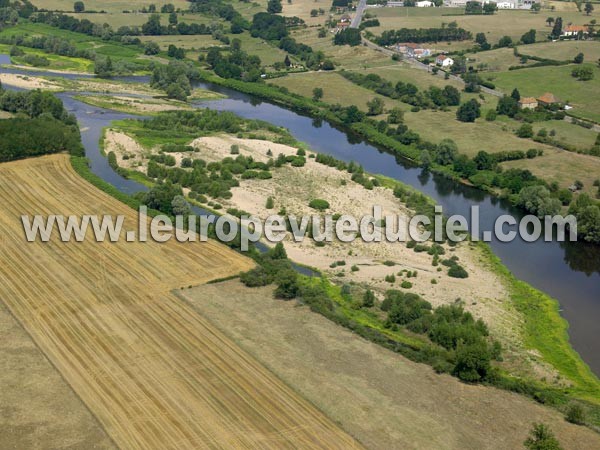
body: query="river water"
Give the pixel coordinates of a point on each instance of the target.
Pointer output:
(569, 272)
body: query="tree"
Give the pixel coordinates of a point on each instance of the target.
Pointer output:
(489, 8)
(541, 438)
(151, 48)
(481, 40)
(484, 161)
(173, 18)
(349, 36)
(287, 61)
(452, 95)
(588, 8)
(557, 29)
(270, 203)
(287, 285)
(468, 111)
(103, 67)
(505, 41)
(396, 116)
(79, 7)
(472, 361)
(317, 93)
(525, 131)
(515, 94)
(447, 152)
(583, 73)
(578, 58)
(529, 37)
(507, 106)
(274, 6)
(314, 12)
(375, 106)
(550, 21)
(537, 200)
(152, 26)
(368, 299)
(179, 206)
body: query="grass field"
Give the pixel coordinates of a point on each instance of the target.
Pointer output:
(302, 9)
(563, 167)
(388, 401)
(108, 5)
(155, 373)
(582, 95)
(495, 60)
(564, 50)
(344, 56)
(118, 19)
(511, 23)
(336, 89)
(57, 62)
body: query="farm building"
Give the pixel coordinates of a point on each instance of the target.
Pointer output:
(548, 99)
(424, 4)
(574, 30)
(528, 103)
(444, 61)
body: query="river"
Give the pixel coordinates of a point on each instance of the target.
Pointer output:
(569, 272)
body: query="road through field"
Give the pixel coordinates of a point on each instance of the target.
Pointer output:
(153, 371)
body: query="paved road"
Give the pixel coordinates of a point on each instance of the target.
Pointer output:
(360, 9)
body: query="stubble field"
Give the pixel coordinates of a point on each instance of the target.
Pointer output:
(153, 372)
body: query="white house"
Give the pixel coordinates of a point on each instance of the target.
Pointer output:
(505, 5)
(444, 61)
(424, 4)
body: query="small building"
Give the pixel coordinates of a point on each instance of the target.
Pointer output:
(424, 4)
(528, 103)
(574, 30)
(444, 61)
(394, 4)
(505, 5)
(455, 3)
(346, 18)
(548, 99)
(341, 26)
(416, 51)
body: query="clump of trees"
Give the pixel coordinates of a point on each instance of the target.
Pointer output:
(349, 36)
(175, 79)
(418, 35)
(46, 128)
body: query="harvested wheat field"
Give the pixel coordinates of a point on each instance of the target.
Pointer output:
(153, 372)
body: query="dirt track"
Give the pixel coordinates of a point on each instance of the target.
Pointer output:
(154, 372)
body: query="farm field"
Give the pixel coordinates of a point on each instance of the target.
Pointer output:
(563, 50)
(533, 82)
(115, 6)
(499, 59)
(344, 57)
(31, 403)
(336, 89)
(563, 167)
(511, 23)
(153, 372)
(118, 19)
(388, 401)
(302, 9)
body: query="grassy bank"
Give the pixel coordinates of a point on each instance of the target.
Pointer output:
(546, 331)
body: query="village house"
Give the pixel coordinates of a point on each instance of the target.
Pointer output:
(505, 5)
(394, 4)
(444, 61)
(548, 99)
(414, 50)
(424, 4)
(343, 23)
(574, 30)
(528, 103)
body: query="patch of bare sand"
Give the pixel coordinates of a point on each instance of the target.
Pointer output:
(292, 189)
(383, 399)
(28, 82)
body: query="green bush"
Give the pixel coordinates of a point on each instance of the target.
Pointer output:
(319, 204)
